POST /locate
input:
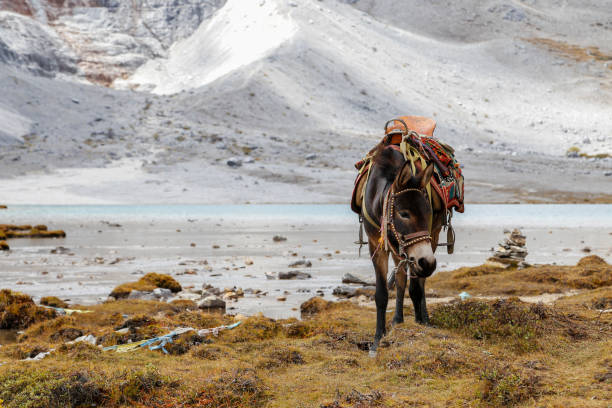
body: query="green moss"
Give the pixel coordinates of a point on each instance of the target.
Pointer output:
(32, 388)
(507, 320)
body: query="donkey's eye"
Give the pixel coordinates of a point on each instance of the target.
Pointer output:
(404, 214)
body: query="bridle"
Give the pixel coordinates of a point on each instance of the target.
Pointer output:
(403, 242)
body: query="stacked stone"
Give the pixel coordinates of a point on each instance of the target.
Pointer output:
(511, 251)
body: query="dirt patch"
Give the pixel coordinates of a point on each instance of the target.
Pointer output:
(572, 51)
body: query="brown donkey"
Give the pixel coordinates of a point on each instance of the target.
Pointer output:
(398, 199)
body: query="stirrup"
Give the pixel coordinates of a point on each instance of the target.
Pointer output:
(450, 234)
(361, 242)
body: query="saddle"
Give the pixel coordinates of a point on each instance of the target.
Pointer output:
(422, 148)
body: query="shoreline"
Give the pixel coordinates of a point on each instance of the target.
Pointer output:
(104, 250)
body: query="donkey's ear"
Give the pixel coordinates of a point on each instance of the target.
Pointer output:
(403, 176)
(426, 174)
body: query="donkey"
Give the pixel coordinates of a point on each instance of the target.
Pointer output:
(398, 198)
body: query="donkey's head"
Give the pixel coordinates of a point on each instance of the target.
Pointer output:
(410, 212)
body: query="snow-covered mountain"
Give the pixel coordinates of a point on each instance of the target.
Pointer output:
(180, 86)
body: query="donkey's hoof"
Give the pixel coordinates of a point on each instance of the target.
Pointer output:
(372, 353)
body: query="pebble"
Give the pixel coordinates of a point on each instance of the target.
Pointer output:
(294, 275)
(234, 162)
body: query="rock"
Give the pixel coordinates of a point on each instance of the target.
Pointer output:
(211, 302)
(496, 264)
(187, 296)
(294, 275)
(281, 299)
(270, 275)
(162, 293)
(345, 291)
(350, 278)
(511, 251)
(572, 154)
(141, 295)
(278, 238)
(311, 156)
(60, 250)
(234, 162)
(90, 338)
(302, 262)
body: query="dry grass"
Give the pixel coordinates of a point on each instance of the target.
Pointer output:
(26, 231)
(147, 283)
(590, 273)
(53, 301)
(479, 354)
(18, 311)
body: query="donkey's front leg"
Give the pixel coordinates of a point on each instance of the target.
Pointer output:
(417, 294)
(400, 285)
(381, 264)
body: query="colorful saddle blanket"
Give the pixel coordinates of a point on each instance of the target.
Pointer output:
(448, 178)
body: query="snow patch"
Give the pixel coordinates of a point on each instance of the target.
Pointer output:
(241, 32)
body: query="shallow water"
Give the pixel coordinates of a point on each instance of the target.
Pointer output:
(159, 239)
(521, 215)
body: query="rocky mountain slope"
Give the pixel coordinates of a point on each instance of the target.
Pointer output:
(153, 97)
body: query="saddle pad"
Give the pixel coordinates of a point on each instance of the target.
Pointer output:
(420, 124)
(357, 196)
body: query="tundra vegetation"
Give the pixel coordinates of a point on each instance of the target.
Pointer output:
(9, 231)
(500, 352)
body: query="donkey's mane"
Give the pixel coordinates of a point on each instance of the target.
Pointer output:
(388, 161)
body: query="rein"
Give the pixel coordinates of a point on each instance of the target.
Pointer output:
(403, 242)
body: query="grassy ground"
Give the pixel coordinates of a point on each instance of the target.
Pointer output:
(493, 353)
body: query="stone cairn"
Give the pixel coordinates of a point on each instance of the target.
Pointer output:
(511, 251)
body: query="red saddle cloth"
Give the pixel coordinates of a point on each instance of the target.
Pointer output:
(448, 178)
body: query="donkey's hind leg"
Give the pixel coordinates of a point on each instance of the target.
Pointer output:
(400, 285)
(380, 259)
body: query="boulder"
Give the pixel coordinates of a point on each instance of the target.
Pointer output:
(345, 291)
(350, 278)
(211, 302)
(141, 295)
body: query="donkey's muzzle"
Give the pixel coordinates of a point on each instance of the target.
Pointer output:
(425, 267)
